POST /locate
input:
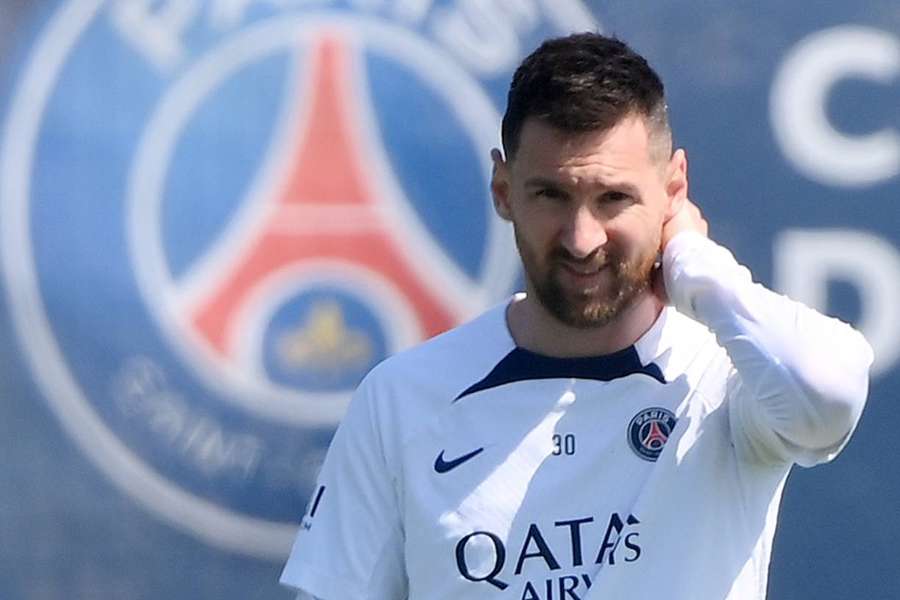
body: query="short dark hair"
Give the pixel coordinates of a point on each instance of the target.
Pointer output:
(585, 82)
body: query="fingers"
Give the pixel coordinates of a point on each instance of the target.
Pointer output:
(688, 218)
(695, 217)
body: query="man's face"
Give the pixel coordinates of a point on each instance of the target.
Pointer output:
(588, 211)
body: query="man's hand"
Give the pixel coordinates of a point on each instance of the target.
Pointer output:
(689, 218)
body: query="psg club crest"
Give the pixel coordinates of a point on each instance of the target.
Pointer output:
(218, 216)
(649, 430)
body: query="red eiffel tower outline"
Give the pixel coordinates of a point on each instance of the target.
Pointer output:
(655, 434)
(324, 208)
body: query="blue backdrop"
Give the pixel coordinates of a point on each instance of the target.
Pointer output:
(215, 216)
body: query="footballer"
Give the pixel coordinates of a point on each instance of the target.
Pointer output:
(621, 429)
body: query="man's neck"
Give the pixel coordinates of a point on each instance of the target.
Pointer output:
(535, 329)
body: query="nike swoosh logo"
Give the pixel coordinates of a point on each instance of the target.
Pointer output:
(442, 466)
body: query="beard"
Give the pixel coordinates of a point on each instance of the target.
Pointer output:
(595, 306)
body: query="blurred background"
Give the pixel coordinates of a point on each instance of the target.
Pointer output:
(216, 216)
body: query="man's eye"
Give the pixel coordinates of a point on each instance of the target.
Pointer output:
(613, 196)
(551, 193)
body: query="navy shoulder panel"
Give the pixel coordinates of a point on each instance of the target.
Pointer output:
(522, 365)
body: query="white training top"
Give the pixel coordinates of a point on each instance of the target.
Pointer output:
(468, 468)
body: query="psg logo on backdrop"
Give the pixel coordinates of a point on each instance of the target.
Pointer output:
(649, 431)
(216, 219)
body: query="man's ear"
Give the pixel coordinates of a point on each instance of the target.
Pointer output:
(676, 183)
(500, 185)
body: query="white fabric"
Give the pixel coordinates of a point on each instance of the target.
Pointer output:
(756, 382)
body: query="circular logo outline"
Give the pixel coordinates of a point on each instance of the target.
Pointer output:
(211, 523)
(666, 421)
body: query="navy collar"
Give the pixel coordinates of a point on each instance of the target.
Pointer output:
(523, 365)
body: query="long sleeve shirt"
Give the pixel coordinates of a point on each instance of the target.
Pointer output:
(470, 468)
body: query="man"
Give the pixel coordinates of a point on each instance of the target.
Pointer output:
(624, 428)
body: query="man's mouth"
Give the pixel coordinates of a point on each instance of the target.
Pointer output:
(582, 276)
(582, 269)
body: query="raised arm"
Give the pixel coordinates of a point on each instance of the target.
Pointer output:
(800, 379)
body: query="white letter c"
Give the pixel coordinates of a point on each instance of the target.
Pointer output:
(799, 98)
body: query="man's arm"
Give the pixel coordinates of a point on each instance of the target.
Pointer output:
(801, 377)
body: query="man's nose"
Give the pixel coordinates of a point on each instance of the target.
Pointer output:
(584, 233)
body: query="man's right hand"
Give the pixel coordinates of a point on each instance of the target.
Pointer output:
(689, 218)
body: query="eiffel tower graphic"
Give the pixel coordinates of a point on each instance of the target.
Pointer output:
(654, 436)
(326, 204)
